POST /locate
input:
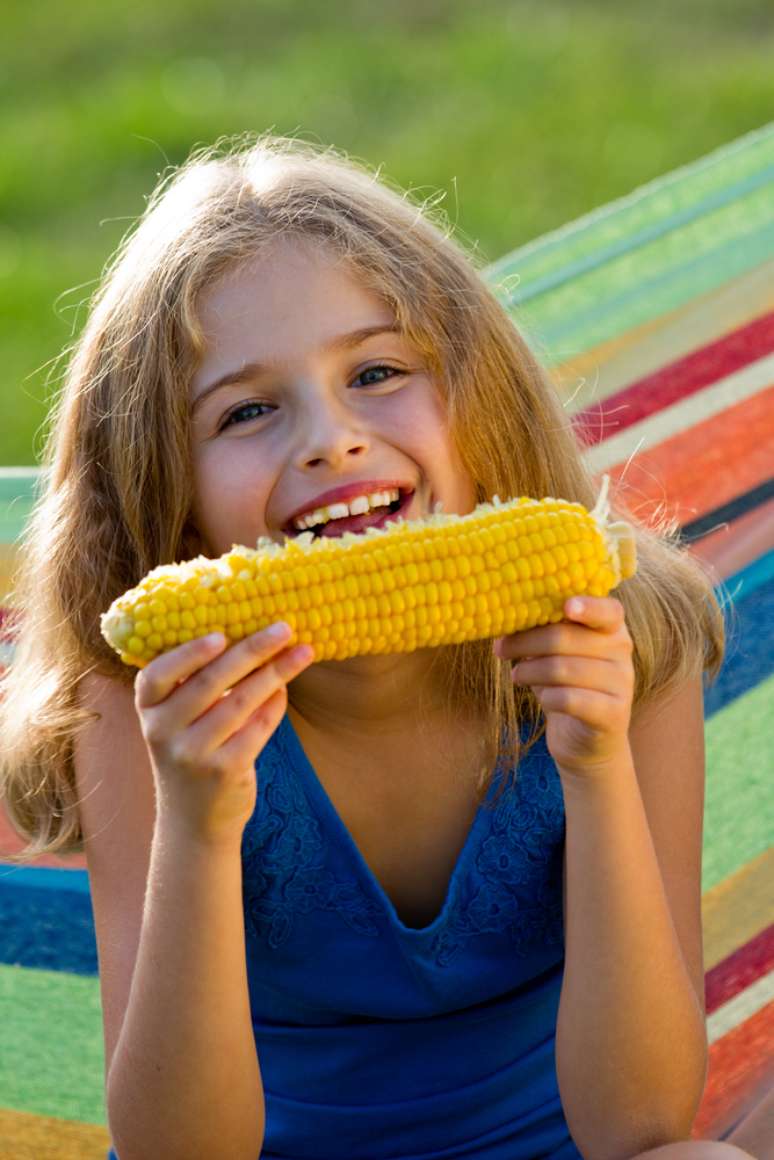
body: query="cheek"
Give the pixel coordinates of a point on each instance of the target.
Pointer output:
(228, 498)
(422, 424)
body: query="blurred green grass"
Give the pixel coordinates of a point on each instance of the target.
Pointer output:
(524, 114)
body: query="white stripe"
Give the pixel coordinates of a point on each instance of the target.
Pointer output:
(20, 472)
(742, 384)
(747, 1003)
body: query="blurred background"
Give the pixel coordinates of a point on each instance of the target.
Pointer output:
(522, 114)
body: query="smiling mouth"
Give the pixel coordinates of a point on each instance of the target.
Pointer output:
(358, 523)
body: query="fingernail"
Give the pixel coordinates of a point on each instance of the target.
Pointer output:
(278, 631)
(574, 607)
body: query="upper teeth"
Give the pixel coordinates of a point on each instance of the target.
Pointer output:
(355, 507)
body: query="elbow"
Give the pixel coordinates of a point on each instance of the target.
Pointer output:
(622, 1145)
(620, 1139)
(648, 1112)
(129, 1143)
(143, 1128)
(666, 1118)
(130, 1152)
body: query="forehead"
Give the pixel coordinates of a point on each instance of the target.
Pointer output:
(289, 300)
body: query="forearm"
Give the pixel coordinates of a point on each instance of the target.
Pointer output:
(185, 1080)
(631, 1042)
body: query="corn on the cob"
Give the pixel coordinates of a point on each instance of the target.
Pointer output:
(413, 584)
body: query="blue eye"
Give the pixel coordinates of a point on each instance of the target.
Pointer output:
(256, 410)
(231, 417)
(391, 371)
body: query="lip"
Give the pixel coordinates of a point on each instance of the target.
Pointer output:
(345, 492)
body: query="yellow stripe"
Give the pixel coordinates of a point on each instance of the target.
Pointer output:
(737, 909)
(24, 1136)
(598, 373)
(7, 564)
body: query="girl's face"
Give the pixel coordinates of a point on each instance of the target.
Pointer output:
(293, 398)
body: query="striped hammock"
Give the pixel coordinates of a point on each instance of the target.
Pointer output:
(656, 317)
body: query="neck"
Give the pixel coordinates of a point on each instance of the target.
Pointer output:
(368, 696)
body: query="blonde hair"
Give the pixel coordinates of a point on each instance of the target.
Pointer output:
(117, 467)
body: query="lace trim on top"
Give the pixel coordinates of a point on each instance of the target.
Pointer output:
(518, 867)
(283, 862)
(513, 883)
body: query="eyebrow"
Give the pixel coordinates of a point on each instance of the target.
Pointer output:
(253, 370)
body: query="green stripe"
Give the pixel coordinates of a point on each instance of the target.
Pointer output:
(638, 288)
(52, 1062)
(738, 816)
(17, 496)
(17, 481)
(638, 258)
(643, 237)
(647, 208)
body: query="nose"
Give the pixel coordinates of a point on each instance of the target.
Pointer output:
(331, 435)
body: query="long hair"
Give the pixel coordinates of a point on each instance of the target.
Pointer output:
(117, 464)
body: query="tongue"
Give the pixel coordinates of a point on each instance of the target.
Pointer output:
(355, 523)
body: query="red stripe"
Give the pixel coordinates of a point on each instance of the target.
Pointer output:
(739, 1064)
(676, 381)
(705, 466)
(739, 970)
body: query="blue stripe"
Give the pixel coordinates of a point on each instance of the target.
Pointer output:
(51, 929)
(44, 878)
(743, 583)
(748, 599)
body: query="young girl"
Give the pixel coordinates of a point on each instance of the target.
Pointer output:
(436, 904)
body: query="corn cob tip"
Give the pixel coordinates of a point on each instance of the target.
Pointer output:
(622, 536)
(619, 536)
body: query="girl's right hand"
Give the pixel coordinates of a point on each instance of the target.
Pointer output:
(203, 743)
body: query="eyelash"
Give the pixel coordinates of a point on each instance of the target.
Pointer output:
(394, 372)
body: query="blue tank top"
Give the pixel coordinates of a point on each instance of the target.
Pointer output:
(379, 1041)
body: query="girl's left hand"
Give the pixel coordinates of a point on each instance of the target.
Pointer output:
(582, 673)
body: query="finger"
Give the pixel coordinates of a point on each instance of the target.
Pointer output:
(210, 680)
(240, 750)
(598, 710)
(603, 676)
(604, 613)
(158, 679)
(564, 637)
(246, 699)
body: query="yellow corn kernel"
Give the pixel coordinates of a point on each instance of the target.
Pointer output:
(412, 584)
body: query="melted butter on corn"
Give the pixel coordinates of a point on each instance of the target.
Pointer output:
(444, 579)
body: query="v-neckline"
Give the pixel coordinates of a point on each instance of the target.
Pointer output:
(303, 766)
